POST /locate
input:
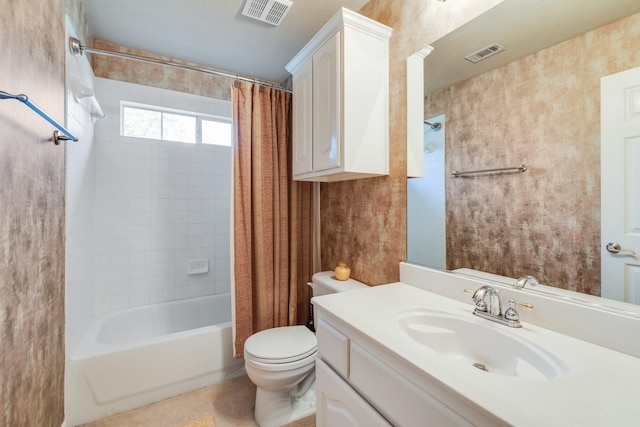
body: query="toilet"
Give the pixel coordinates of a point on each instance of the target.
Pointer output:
(281, 361)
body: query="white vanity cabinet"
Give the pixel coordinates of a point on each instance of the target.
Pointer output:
(384, 355)
(339, 405)
(359, 384)
(341, 101)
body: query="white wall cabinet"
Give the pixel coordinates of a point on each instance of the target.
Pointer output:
(415, 112)
(341, 101)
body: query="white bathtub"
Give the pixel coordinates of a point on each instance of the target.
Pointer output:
(137, 356)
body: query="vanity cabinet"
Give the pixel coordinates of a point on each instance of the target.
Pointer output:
(340, 82)
(339, 405)
(360, 384)
(409, 354)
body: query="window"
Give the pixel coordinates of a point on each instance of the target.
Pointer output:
(216, 132)
(147, 121)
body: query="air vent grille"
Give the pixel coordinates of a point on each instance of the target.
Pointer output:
(269, 11)
(484, 53)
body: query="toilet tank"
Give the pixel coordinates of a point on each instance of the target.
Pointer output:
(325, 282)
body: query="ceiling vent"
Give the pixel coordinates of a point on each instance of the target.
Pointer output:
(269, 11)
(484, 53)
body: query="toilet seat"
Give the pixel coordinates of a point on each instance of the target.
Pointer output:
(284, 344)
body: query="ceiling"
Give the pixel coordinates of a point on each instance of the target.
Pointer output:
(213, 33)
(523, 27)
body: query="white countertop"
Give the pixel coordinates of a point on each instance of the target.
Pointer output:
(601, 388)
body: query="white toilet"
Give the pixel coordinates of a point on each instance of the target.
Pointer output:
(281, 361)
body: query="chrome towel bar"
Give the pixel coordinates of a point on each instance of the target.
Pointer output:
(25, 100)
(515, 169)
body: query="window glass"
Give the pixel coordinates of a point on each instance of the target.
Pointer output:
(214, 132)
(158, 123)
(141, 123)
(178, 127)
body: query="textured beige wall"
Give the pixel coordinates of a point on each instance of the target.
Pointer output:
(363, 222)
(31, 216)
(164, 77)
(544, 111)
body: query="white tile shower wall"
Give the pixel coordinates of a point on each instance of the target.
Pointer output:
(426, 204)
(79, 194)
(158, 204)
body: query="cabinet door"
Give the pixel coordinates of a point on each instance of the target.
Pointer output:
(326, 105)
(302, 119)
(339, 405)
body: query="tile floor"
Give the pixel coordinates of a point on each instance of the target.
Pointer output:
(230, 403)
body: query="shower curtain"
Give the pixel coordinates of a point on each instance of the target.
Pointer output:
(273, 226)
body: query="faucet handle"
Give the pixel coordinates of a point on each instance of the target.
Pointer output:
(511, 313)
(522, 304)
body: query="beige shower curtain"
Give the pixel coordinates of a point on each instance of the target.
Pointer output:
(272, 217)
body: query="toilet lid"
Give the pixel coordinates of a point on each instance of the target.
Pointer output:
(281, 345)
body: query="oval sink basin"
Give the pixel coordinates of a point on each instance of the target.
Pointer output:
(486, 347)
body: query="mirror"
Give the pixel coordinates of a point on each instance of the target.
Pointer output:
(535, 103)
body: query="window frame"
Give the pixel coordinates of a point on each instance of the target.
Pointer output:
(200, 117)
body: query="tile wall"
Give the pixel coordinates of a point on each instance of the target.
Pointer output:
(426, 203)
(158, 204)
(80, 194)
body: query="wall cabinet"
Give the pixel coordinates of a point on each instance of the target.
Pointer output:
(415, 112)
(341, 101)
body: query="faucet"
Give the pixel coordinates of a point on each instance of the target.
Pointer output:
(523, 280)
(489, 306)
(493, 305)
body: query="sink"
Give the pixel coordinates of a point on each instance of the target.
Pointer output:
(492, 348)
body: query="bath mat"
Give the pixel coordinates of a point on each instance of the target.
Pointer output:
(200, 422)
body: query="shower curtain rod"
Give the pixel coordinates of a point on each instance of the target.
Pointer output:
(77, 49)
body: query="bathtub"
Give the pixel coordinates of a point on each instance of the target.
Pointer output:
(138, 356)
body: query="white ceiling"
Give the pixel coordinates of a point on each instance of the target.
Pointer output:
(213, 33)
(523, 27)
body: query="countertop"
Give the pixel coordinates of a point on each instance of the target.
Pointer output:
(601, 387)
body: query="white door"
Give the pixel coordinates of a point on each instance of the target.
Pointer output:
(337, 404)
(326, 105)
(302, 161)
(620, 175)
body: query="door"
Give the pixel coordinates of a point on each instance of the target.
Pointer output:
(302, 119)
(620, 178)
(337, 404)
(326, 105)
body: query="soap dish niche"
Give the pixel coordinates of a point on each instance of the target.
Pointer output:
(198, 266)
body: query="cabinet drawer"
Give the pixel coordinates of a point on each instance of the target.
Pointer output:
(333, 347)
(339, 405)
(399, 401)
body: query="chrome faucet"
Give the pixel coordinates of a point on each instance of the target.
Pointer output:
(489, 306)
(493, 305)
(524, 280)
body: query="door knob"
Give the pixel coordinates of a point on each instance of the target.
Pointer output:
(615, 248)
